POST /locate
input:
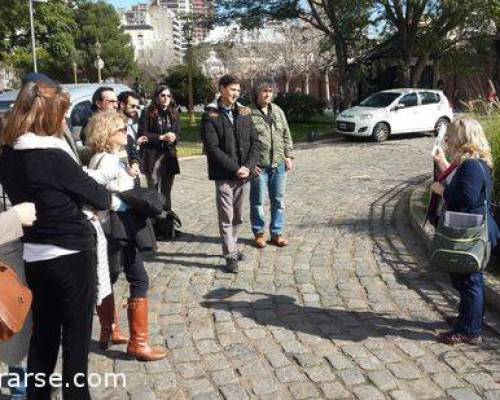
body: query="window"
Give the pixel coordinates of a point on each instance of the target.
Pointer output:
(409, 100)
(429, 98)
(140, 40)
(79, 113)
(379, 100)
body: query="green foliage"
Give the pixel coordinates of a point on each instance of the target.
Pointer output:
(492, 129)
(177, 80)
(300, 107)
(54, 27)
(100, 21)
(64, 34)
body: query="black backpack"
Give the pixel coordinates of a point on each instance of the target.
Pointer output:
(167, 226)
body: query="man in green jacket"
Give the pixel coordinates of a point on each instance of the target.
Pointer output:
(275, 161)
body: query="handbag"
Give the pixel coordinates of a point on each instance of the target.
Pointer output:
(15, 302)
(462, 250)
(167, 225)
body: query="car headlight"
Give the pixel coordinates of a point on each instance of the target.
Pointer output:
(366, 116)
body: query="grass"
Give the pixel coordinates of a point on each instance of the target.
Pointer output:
(491, 126)
(322, 124)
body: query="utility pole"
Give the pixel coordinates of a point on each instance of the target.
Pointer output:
(33, 42)
(32, 26)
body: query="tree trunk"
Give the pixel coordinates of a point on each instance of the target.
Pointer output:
(327, 87)
(436, 73)
(496, 74)
(419, 69)
(344, 89)
(287, 83)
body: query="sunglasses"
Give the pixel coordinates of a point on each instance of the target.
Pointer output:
(163, 95)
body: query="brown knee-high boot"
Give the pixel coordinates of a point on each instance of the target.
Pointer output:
(110, 323)
(138, 346)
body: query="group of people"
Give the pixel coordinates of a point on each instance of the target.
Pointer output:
(64, 200)
(70, 262)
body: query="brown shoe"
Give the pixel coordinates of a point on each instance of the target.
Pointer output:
(260, 240)
(110, 323)
(138, 346)
(279, 241)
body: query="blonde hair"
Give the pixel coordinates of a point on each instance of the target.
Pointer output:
(101, 127)
(466, 140)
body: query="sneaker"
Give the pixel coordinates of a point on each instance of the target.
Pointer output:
(231, 265)
(451, 338)
(279, 240)
(241, 256)
(260, 240)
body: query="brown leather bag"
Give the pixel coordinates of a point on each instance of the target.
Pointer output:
(15, 302)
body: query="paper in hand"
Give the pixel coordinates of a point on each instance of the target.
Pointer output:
(438, 144)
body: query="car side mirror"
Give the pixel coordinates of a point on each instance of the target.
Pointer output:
(398, 106)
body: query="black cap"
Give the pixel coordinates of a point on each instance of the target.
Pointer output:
(37, 77)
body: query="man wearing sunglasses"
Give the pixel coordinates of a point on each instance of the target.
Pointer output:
(103, 99)
(129, 105)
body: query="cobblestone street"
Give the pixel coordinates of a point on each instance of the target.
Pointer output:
(345, 311)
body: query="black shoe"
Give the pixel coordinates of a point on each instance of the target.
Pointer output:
(241, 256)
(231, 265)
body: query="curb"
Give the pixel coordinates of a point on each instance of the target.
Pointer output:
(297, 146)
(492, 283)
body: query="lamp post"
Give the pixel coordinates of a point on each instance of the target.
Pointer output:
(75, 72)
(99, 63)
(188, 34)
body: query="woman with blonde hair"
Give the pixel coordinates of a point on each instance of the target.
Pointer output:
(37, 165)
(469, 180)
(107, 135)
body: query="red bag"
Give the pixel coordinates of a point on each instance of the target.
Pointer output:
(15, 302)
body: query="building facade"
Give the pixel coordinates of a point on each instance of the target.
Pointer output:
(154, 32)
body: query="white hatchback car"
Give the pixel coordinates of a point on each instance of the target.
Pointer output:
(396, 111)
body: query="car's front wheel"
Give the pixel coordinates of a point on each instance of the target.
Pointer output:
(380, 132)
(441, 122)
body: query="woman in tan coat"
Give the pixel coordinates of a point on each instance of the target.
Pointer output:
(14, 351)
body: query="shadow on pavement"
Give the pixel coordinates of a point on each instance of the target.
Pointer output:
(281, 311)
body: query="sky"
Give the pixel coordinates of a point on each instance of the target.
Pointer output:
(124, 3)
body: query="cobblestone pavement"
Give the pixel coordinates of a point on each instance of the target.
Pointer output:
(345, 311)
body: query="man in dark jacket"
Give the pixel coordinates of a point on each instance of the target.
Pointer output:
(232, 148)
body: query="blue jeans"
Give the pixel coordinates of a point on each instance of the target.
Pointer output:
(17, 392)
(271, 182)
(471, 307)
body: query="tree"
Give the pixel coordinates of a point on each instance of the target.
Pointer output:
(100, 21)
(343, 22)
(426, 28)
(54, 27)
(177, 80)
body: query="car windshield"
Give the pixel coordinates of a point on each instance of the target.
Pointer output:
(379, 100)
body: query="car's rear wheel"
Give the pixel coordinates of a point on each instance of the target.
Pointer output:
(380, 132)
(439, 124)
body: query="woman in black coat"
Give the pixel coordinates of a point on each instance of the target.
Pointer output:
(160, 124)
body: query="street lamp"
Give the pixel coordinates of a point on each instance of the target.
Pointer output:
(32, 27)
(75, 71)
(188, 34)
(99, 63)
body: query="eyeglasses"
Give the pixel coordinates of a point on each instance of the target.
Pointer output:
(163, 95)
